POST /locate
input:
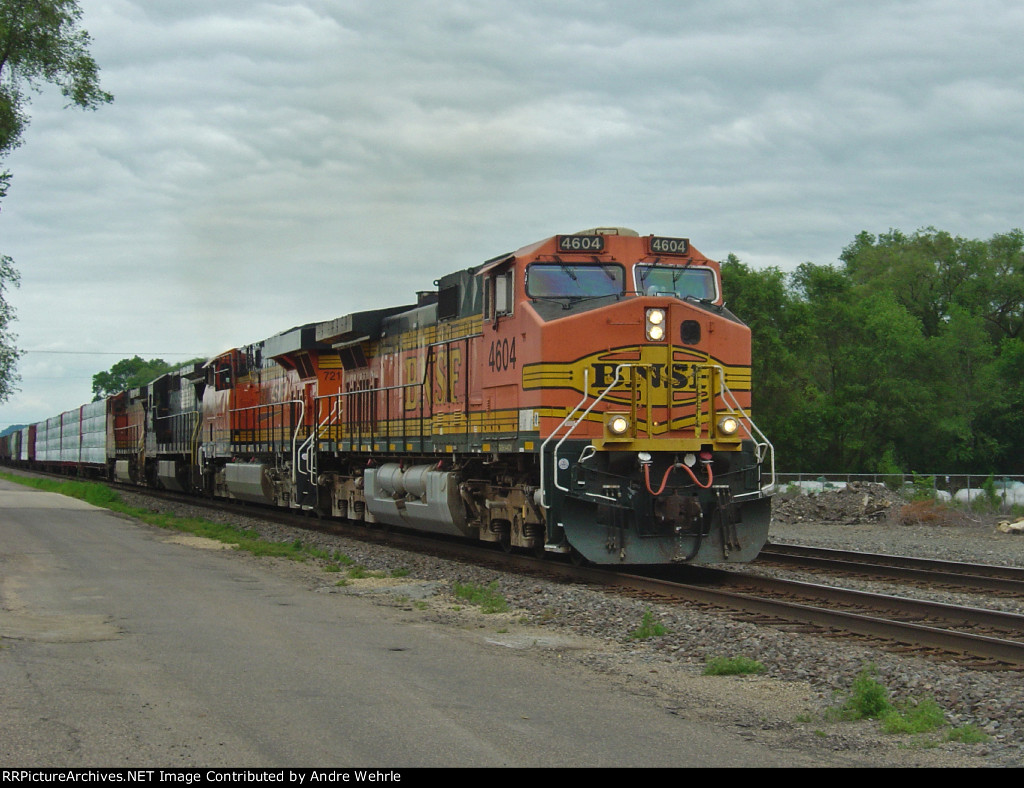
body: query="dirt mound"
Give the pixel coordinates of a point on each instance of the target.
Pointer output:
(856, 502)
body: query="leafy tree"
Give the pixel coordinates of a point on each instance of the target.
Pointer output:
(923, 271)
(889, 394)
(933, 273)
(1006, 419)
(9, 354)
(907, 356)
(40, 42)
(968, 386)
(126, 374)
(997, 293)
(764, 302)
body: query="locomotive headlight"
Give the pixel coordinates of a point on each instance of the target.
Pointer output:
(727, 425)
(617, 427)
(655, 325)
(618, 424)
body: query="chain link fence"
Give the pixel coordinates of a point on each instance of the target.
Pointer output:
(963, 488)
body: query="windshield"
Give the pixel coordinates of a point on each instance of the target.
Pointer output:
(559, 280)
(677, 281)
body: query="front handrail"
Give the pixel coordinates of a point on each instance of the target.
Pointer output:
(296, 425)
(133, 443)
(764, 446)
(190, 418)
(572, 429)
(314, 437)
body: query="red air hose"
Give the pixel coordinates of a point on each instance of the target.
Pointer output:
(664, 480)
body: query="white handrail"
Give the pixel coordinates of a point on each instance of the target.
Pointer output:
(764, 446)
(572, 429)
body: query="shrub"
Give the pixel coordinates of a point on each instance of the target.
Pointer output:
(922, 488)
(992, 498)
(868, 698)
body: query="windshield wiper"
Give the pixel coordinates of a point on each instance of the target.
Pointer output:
(704, 302)
(571, 300)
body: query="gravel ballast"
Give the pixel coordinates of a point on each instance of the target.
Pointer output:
(806, 675)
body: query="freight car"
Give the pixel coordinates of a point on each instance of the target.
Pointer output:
(588, 394)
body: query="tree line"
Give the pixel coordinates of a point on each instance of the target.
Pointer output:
(907, 356)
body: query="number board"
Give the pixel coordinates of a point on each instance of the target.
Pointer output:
(669, 245)
(581, 243)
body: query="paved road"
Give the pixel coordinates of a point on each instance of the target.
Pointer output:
(123, 648)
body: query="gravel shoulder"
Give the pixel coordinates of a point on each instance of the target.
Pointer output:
(786, 707)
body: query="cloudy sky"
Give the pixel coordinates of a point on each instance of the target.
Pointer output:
(266, 164)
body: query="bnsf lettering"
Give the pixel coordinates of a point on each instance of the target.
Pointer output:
(411, 398)
(657, 375)
(447, 375)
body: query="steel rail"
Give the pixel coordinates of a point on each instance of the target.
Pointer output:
(1000, 649)
(962, 575)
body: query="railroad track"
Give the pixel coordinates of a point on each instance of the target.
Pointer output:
(982, 637)
(1005, 580)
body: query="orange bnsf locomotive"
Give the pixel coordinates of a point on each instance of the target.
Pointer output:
(588, 394)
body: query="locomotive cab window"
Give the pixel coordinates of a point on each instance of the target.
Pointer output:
(561, 280)
(676, 281)
(219, 377)
(498, 295)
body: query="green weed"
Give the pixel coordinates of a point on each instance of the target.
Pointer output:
(732, 666)
(967, 734)
(914, 717)
(649, 628)
(868, 699)
(486, 598)
(359, 572)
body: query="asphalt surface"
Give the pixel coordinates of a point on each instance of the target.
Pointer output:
(122, 648)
